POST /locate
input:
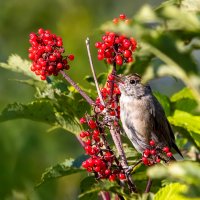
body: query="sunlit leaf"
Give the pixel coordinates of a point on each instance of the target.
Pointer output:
(62, 169)
(17, 64)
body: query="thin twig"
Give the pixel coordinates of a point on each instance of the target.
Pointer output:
(87, 98)
(148, 187)
(105, 195)
(87, 41)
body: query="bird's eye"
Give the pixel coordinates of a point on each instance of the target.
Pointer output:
(132, 81)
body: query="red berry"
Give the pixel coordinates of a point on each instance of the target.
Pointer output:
(82, 134)
(111, 77)
(112, 113)
(122, 176)
(100, 57)
(97, 169)
(152, 142)
(88, 142)
(71, 57)
(127, 53)
(115, 20)
(82, 120)
(122, 16)
(119, 60)
(107, 172)
(145, 160)
(112, 177)
(92, 124)
(59, 66)
(166, 149)
(158, 160)
(85, 164)
(146, 152)
(169, 154)
(153, 152)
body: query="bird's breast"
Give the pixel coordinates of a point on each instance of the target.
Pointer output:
(135, 116)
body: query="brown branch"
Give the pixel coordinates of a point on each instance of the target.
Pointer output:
(83, 94)
(148, 187)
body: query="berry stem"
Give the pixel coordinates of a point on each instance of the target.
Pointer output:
(87, 41)
(148, 187)
(105, 195)
(83, 94)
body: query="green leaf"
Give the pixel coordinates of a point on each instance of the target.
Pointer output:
(101, 79)
(184, 100)
(164, 101)
(183, 171)
(171, 191)
(187, 121)
(62, 169)
(40, 110)
(17, 64)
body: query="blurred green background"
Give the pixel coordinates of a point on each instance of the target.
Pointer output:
(26, 147)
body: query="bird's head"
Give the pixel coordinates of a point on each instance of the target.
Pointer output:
(131, 85)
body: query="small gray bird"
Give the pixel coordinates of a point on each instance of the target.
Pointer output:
(142, 116)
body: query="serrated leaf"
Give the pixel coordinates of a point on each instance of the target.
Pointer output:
(40, 110)
(62, 169)
(171, 191)
(17, 64)
(187, 121)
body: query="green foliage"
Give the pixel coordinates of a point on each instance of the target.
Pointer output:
(17, 64)
(68, 167)
(185, 173)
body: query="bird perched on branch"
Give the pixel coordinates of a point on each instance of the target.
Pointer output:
(144, 120)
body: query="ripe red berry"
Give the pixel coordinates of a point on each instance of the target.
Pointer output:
(107, 172)
(153, 152)
(82, 134)
(152, 142)
(158, 160)
(122, 176)
(92, 124)
(145, 160)
(146, 152)
(115, 20)
(127, 53)
(169, 154)
(82, 120)
(71, 57)
(122, 16)
(112, 177)
(166, 149)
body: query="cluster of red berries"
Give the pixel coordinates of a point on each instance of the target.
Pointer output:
(116, 48)
(102, 161)
(152, 156)
(110, 94)
(122, 17)
(46, 53)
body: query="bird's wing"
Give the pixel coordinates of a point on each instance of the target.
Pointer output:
(161, 124)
